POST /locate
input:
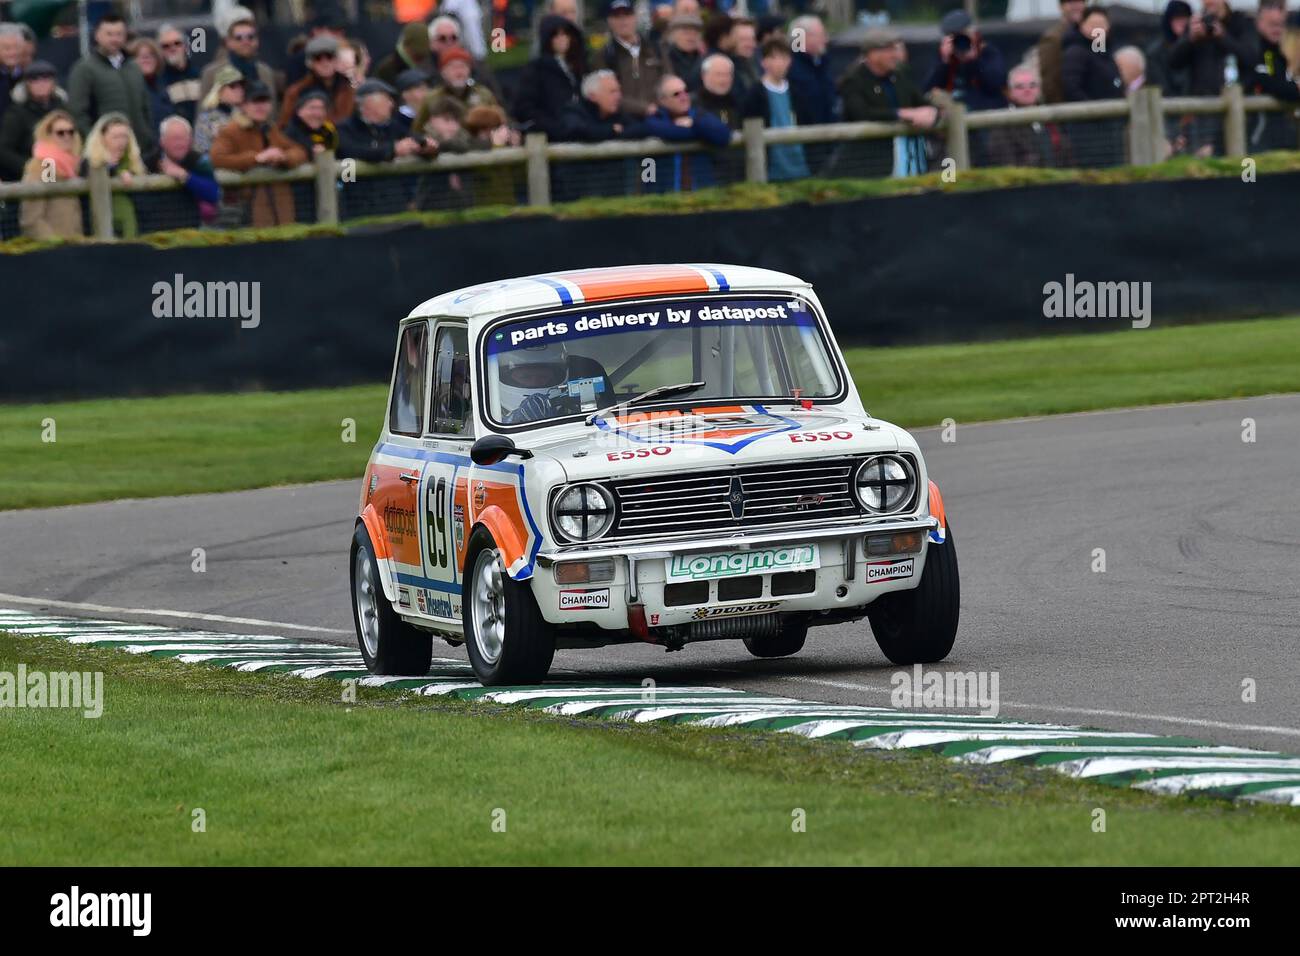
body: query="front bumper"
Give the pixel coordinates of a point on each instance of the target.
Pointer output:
(844, 581)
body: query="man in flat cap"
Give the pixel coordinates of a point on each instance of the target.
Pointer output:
(875, 90)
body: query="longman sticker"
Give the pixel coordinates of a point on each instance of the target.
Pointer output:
(890, 570)
(595, 598)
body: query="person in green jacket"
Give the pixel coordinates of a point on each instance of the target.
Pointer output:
(112, 145)
(106, 81)
(875, 89)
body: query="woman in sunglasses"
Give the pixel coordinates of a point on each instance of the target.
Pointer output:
(56, 151)
(218, 107)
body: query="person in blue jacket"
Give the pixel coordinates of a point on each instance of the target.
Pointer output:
(177, 159)
(677, 121)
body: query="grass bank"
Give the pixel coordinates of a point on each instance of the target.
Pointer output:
(286, 773)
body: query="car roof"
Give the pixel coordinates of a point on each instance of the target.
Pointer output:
(574, 287)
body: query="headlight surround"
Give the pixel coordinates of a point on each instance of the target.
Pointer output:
(885, 484)
(582, 512)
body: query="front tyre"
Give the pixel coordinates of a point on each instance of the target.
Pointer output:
(388, 644)
(919, 626)
(508, 640)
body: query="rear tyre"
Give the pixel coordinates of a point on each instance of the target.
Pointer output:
(789, 640)
(919, 626)
(508, 640)
(388, 644)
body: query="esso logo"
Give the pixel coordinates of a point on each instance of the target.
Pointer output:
(801, 437)
(638, 453)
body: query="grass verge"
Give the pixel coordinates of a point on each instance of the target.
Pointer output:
(142, 447)
(286, 773)
(739, 196)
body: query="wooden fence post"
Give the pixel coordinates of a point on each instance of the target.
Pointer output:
(958, 143)
(1234, 120)
(539, 170)
(755, 151)
(101, 203)
(327, 190)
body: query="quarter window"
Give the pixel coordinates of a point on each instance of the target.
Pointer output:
(450, 408)
(406, 409)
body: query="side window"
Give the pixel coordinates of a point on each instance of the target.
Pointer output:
(450, 408)
(406, 410)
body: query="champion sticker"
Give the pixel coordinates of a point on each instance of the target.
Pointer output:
(572, 600)
(890, 570)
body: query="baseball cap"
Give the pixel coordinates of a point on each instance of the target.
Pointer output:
(40, 69)
(374, 86)
(409, 79)
(321, 44)
(256, 91)
(878, 38)
(954, 21)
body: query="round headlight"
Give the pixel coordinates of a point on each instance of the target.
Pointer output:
(885, 484)
(583, 512)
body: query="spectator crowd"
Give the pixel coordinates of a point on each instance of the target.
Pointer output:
(137, 104)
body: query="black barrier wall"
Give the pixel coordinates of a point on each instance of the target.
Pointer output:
(80, 321)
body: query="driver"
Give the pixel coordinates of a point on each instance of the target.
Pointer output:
(527, 377)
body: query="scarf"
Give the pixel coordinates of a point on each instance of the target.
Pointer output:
(248, 68)
(65, 164)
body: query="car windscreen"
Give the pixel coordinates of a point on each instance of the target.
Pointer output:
(575, 362)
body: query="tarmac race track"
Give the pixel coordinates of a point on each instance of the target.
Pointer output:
(1201, 590)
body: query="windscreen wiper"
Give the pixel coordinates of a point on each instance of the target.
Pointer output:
(681, 388)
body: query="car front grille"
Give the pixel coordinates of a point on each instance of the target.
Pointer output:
(781, 494)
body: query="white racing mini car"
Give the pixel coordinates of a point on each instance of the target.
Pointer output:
(663, 454)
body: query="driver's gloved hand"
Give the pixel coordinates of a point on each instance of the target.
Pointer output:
(533, 408)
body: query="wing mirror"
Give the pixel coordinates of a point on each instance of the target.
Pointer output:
(491, 449)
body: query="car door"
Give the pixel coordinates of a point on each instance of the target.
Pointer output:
(397, 470)
(444, 482)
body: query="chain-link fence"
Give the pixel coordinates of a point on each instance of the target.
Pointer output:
(1142, 129)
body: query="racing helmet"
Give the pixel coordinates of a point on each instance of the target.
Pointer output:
(530, 370)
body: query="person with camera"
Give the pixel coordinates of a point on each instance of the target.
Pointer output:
(1214, 49)
(971, 71)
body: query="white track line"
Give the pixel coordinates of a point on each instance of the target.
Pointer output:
(1091, 412)
(158, 612)
(842, 685)
(1086, 711)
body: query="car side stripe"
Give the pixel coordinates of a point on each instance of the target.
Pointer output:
(515, 471)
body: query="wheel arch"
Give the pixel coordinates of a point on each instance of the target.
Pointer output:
(937, 510)
(370, 521)
(508, 536)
